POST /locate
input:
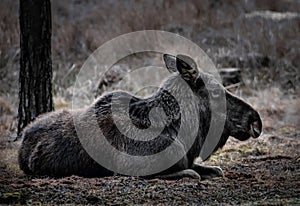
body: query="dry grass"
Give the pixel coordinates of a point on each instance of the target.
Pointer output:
(220, 28)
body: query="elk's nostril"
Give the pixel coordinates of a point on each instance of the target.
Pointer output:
(255, 129)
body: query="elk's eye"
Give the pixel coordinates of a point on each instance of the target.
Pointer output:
(216, 93)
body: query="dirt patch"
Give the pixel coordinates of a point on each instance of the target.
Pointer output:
(259, 171)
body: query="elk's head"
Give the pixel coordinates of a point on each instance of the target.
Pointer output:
(242, 120)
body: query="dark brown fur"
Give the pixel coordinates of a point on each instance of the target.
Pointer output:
(50, 145)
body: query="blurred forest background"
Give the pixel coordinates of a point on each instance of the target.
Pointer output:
(259, 37)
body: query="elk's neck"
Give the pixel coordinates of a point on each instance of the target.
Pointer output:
(174, 96)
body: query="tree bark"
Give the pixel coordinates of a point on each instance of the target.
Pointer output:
(35, 79)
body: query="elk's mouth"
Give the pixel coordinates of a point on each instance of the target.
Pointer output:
(254, 130)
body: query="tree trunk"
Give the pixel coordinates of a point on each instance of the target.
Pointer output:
(35, 77)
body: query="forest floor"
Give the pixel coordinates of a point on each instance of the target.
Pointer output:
(263, 171)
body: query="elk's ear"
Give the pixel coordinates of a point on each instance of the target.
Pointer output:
(187, 67)
(170, 62)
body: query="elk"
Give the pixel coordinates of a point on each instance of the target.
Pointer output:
(50, 145)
